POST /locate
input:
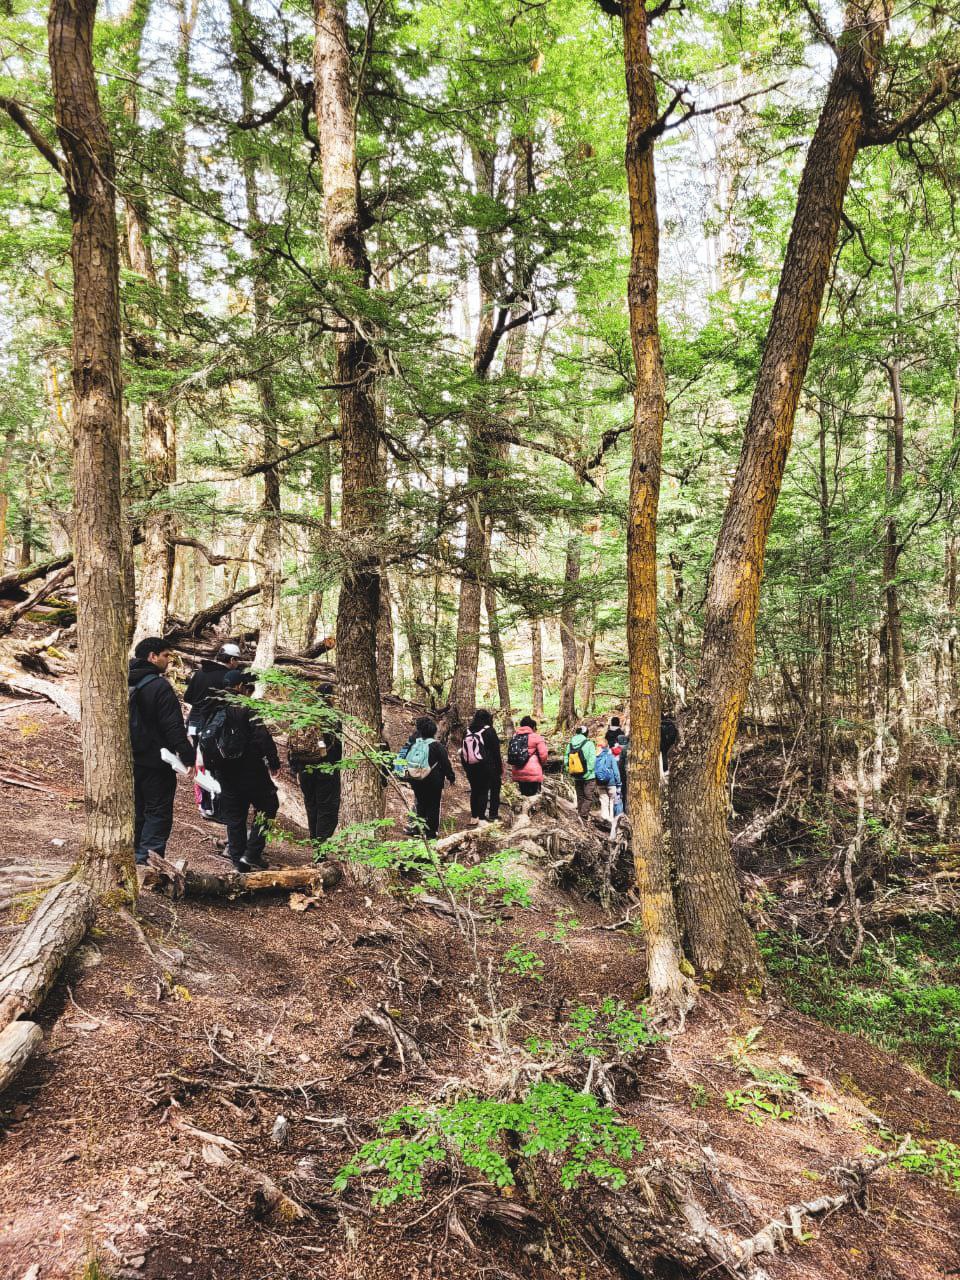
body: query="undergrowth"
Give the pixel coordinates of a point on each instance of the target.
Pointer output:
(490, 1136)
(902, 995)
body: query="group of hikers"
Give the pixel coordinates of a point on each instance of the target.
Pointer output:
(233, 759)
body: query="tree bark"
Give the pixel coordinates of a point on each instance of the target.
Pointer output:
(361, 506)
(386, 650)
(31, 963)
(536, 668)
(567, 712)
(107, 853)
(658, 913)
(18, 1042)
(721, 941)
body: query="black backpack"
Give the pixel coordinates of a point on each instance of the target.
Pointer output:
(142, 736)
(518, 750)
(222, 738)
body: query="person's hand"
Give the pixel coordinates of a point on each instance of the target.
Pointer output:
(275, 773)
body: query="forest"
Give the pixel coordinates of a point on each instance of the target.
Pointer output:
(479, 655)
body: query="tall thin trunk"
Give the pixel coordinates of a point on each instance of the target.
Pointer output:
(825, 621)
(536, 668)
(658, 913)
(567, 713)
(386, 649)
(270, 541)
(496, 649)
(98, 532)
(721, 940)
(892, 549)
(361, 507)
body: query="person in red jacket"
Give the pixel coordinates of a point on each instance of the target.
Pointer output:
(526, 755)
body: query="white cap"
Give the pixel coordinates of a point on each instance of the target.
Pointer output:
(231, 650)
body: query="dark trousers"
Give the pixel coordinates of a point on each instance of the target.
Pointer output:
(153, 793)
(427, 807)
(586, 794)
(321, 796)
(237, 798)
(529, 788)
(484, 791)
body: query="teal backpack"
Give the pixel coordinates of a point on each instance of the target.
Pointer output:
(417, 762)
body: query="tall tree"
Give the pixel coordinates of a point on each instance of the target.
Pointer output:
(87, 167)
(361, 507)
(721, 941)
(651, 860)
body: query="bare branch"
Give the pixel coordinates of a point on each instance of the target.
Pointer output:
(19, 117)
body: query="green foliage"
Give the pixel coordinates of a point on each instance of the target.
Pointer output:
(939, 1160)
(613, 1027)
(552, 1120)
(525, 964)
(903, 994)
(757, 1105)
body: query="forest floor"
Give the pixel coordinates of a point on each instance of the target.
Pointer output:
(252, 1010)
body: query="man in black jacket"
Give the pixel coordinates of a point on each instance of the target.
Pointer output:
(310, 747)
(245, 778)
(156, 721)
(210, 679)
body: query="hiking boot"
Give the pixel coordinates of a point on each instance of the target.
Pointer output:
(253, 864)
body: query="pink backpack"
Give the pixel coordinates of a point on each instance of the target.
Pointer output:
(472, 750)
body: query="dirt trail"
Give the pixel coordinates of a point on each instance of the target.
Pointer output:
(258, 1020)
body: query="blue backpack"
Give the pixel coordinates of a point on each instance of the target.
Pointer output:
(606, 769)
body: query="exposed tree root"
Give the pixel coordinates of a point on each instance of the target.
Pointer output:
(662, 1223)
(18, 1041)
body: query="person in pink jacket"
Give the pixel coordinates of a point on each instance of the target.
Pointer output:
(526, 756)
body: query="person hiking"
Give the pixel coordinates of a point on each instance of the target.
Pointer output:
(579, 760)
(426, 767)
(156, 722)
(526, 756)
(613, 732)
(209, 679)
(242, 754)
(607, 773)
(483, 765)
(318, 744)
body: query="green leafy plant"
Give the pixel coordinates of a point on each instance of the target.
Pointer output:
(613, 1027)
(756, 1105)
(525, 964)
(552, 1120)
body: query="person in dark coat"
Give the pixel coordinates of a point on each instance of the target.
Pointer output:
(613, 732)
(246, 782)
(428, 791)
(483, 765)
(306, 749)
(156, 721)
(208, 680)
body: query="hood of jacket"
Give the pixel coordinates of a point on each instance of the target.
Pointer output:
(578, 740)
(211, 664)
(140, 667)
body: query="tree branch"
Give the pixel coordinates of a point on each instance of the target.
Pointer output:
(19, 117)
(943, 89)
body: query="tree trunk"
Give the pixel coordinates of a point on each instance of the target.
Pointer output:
(892, 548)
(29, 967)
(361, 508)
(567, 713)
(496, 648)
(107, 853)
(721, 940)
(386, 650)
(825, 623)
(536, 668)
(270, 541)
(661, 931)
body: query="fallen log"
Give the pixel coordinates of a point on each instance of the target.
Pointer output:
(175, 880)
(10, 616)
(19, 682)
(31, 571)
(18, 1041)
(208, 617)
(31, 963)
